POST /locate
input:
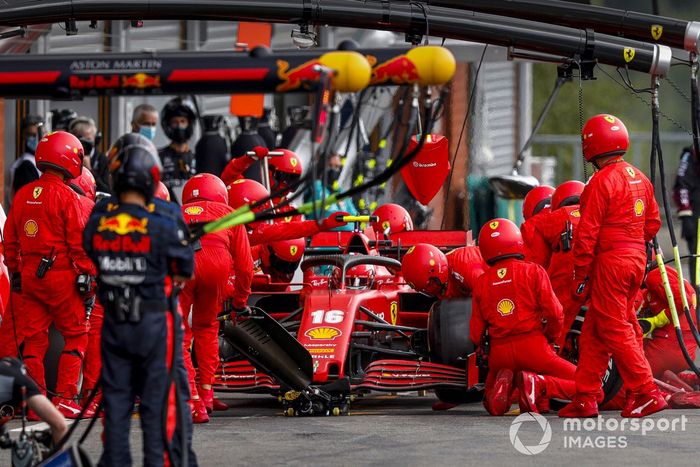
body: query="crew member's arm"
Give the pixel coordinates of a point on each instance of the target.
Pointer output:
(235, 168)
(74, 223)
(268, 233)
(550, 307)
(594, 202)
(242, 266)
(477, 325)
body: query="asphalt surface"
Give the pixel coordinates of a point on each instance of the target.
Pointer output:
(403, 430)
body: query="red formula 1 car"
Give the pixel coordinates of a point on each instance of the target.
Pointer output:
(356, 326)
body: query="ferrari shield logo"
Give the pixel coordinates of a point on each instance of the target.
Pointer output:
(576, 213)
(628, 54)
(505, 307)
(386, 226)
(656, 31)
(609, 119)
(394, 312)
(37, 192)
(493, 225)
(502, 273)
(410, 250)
(638, 208)
(294, 162)
(631, 172)
(293, 250)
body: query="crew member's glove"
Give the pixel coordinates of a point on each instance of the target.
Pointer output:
(649, 324)
(16, 282)
(689, 227)
(84, 284)
(579, 289)
(332, 222)
(260, 152)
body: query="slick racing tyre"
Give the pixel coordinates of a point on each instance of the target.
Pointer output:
(448, 331)
(612, 383)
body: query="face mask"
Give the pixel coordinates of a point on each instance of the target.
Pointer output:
(31, 144)
(180, 134)
(88, 147)
(332, 176)
(148, 131)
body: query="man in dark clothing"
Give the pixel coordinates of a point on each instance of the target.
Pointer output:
(24, 170)
(686, 193)
(211, 151)
(177, 120)
(85, 130)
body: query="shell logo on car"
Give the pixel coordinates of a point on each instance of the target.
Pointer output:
(323, 333)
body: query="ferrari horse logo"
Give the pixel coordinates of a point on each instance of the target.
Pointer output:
(493, 225)
(628, 54)
(656, 31)
(37, 192)
(502, 273)
(631, 172)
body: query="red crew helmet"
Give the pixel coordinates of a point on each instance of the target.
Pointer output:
(567, 194)
(500, 239)
(392, 219)
(285, 169)
(162, 192)
(425, 269)
(60, 151)
(536, 200)
(604, 135)
(204, 187)
(85, 184)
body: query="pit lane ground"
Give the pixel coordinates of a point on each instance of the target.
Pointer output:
(403, 430)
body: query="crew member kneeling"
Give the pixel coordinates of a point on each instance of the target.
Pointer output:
(135, 250)
(517, 315)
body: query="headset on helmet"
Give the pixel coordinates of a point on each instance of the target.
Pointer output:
(567, 194)
(162, 192)
(84, 184)
(392, 219)
(425, 269)
(60, 151)
(500, 239)
(205, 187)
(604, 135)
(134, 165)
(285, 169)
(536, 200)
(177, 108)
